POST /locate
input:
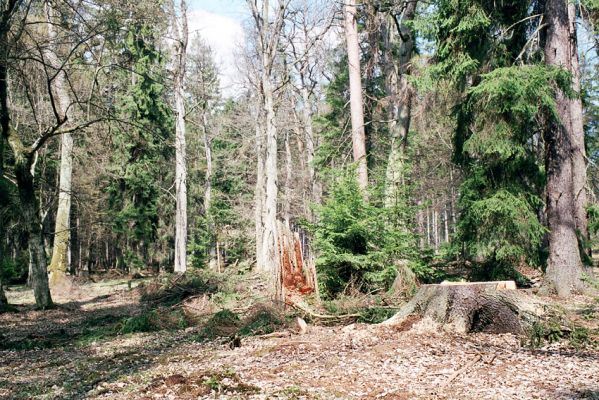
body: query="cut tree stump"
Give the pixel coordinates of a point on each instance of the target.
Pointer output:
(492, 307)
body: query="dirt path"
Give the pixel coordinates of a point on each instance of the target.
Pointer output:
(355, 362)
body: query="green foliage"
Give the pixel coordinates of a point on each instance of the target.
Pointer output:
(376, 315)
(225, 323)
(473, 34)
(558, 329)
(222, 324)
(502, 194)
(356, 241)
(140, 145)
(146, 322)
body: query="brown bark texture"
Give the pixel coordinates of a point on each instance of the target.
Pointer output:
(491, 307)
(564, 144)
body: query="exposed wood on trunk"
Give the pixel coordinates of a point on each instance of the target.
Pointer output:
(181, 37)
(298, 273)
(355, 92)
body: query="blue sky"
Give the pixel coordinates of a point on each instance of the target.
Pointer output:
(219, 22)
(231, 8)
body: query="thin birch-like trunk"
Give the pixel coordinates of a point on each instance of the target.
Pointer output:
(60, 262)
(259, 194)
(181, 36)
(355, 93)
(310, 139)
(268, 34)
(288, 179)
(399, 94)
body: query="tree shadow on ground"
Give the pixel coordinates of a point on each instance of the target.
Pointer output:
(67, 351)
(74, 372)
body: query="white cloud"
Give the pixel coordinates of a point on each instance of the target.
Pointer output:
(223, 34)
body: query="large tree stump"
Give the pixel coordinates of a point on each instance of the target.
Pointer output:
(493, 307)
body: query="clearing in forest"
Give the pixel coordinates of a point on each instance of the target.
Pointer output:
(90, 347)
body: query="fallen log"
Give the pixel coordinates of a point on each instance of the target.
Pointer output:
(492, 307)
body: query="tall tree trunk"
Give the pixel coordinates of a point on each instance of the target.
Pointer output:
(23, 160)
(288, 179)
(355, 93)
(564, 265)
(259, 193)
(268, 35)
(269, 243)
(208, 176)
(61, 257)
(181, 36)
(579, 164)
(35, 241)
(213, 259)
(399, 94)
(310, 139)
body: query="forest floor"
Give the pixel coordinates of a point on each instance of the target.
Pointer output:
(64, 354)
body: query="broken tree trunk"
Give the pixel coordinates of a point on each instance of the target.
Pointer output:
(298, 272)
(491, 307)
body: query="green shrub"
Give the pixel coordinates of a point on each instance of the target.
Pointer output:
(146, 322)
(357, 241)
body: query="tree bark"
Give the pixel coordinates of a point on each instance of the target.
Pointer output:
(31, 214)
(268, 35)
(288, 179)
(564, 265)
(310, 139)
(208, 154)
(491, 307)
(61, 257)
(579, 163)
(23, 161)
(355, 93)
(259, 194)
(269, 242)
(399, 94)
(181, 36)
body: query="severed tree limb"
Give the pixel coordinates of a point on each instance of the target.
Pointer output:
(463, 369)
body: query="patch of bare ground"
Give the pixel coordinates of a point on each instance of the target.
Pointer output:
(413, 361)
